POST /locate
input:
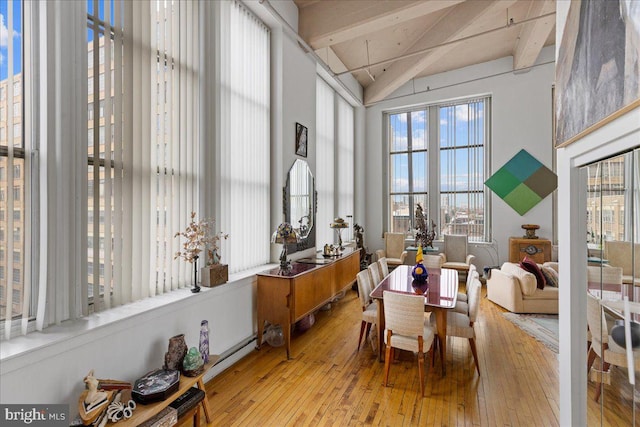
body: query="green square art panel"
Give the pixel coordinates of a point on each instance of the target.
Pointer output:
(522, 182)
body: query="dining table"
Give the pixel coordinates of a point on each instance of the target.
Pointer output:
(440, 292)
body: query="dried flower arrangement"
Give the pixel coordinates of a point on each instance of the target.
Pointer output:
(200, 236)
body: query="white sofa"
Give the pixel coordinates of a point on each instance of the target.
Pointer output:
(516, 290)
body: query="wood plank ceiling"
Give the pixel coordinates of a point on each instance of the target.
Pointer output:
(386, 43)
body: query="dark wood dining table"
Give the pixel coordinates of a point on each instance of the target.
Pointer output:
(440, 295)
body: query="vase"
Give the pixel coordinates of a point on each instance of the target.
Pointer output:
(175, 354)
(204, 340)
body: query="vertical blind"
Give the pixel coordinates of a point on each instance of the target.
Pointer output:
(120, 201)
(345, 160)
(324, 161)
(245, 137)
(148, 158)
(463, 144)
(15, 284)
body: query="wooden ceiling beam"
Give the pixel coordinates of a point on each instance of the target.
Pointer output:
(461, 21)
(330, 22)
(533, 34)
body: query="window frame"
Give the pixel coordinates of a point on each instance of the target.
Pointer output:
(433, 149)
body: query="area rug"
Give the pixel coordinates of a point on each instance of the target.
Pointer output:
(543, 327)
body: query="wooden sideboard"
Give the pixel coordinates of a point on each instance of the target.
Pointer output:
(538, 250)
(285, 298)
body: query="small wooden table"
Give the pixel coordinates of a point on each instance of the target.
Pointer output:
(144, 412)
(440, 294)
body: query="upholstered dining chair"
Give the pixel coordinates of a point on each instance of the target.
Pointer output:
(462, 300)
(406, 329)
(369, 307)
(456, 255)
(393, 249)
(432, 261)
(374, 274)
(601, 275)
(461, 325)
(384, 267)
(604, 347)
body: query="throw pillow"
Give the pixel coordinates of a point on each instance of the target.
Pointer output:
(550, 275)
(531, 266)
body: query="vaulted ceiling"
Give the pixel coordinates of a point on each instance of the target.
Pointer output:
(386, 43)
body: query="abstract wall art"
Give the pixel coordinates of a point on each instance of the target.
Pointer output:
(523, 182)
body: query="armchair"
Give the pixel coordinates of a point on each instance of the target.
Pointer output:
(456, 255)
(393, 249)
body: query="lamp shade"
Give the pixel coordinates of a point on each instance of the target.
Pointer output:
(339, 223)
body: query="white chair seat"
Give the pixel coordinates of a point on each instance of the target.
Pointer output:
(458, 325)
(462, 297)
(394, 261)
(461, 307)
(370, 314)
(410, 343)
(456, 265)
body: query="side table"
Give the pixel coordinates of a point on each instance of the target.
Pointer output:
(538, 250)
(144, 412)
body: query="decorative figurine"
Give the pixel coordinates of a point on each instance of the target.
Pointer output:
(93, 402)
(424, 237)
(193, 363)
(175, 353)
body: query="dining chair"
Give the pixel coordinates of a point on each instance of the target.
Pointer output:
(374, 273)
(369, 307)
(461, 324)
(432, 261)
(406, 329)
(462, 303)
(456, 255)
(604, 347)
(394, 249)
(384, 267)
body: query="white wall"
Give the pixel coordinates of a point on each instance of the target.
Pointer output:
(521, 118)
(126, 342)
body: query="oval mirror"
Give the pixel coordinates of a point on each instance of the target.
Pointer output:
(299, 204)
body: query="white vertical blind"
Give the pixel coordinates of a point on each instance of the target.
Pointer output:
(245, 138)
(325, 162)
(345, 160)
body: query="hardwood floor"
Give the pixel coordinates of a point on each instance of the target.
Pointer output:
(328, 383)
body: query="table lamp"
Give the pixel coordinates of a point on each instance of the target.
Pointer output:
(338, 224)
(285, 234)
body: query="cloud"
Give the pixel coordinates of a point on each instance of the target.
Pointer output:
(4, 33)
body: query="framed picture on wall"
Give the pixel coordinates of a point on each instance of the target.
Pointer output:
(301, 140)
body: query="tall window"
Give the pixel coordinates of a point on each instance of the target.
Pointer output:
(346, 159)
(325, 161)
(15, 291)
(143, 142)
(245, 152)
(437, 159)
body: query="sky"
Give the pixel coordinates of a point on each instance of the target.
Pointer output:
(454, 170)
(15, 38)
